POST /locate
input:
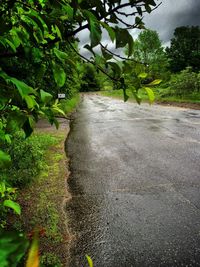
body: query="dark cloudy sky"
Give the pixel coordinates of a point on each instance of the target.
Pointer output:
(169, 15)
(172, 14)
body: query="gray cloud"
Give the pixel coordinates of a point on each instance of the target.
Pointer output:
(172, 14)
(169, 15)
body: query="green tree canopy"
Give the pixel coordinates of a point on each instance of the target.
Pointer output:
(148, 49)
(185, 49)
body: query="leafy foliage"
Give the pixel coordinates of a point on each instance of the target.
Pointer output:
(185, 83)
(184, 50)
(27, 158)
(12, 248)
(89, 81)
(147, 48)
(7, 197)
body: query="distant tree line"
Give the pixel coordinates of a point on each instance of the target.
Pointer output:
(185, 49)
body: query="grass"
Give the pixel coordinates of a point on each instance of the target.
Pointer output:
(119, 94)
(43, 200)
(40, 200)
(69, 105)
(159, 92)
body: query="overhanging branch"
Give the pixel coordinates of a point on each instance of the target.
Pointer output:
(89, 61)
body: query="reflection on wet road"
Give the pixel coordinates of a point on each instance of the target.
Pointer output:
(135, 184)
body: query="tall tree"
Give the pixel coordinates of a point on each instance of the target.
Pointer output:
(185, 49)
(148, 49)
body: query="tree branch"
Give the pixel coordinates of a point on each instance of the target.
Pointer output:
(74, 32)
(123, 22)
(123, 58)
(89, 61)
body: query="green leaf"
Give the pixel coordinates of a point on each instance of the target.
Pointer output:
(94, 27)
(90, 262)
(59, 34)
(116, 68)
(56, 109)
(69, 10)
(105, 54)
(148, 8)
(62, 56)
(152, 3)
(12, 46)
(142, 75)
(150, 94)
(130, 45)
(45, 97)
(155, 82)
(123, 38)
(126, 97)
(139, 10)
(89, 48)
(110, 30)
(138, 20)
(22, 87)
(27, 127)
(5, 159)
(30, 101)
(32, 121)
(15, 121)
(13, 205)
(13, 246)
(136, 96)
(38, 20)
(59, 74)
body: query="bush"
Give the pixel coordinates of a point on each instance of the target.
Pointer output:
(185, 83)
(27, 157)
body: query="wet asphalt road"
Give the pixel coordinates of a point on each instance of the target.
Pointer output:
(135, 184)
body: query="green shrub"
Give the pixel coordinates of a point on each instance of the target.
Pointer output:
(27, 157)
(185, 83)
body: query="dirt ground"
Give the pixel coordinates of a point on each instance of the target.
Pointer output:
(182, 105)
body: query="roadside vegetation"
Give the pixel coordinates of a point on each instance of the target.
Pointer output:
(177, 66)
(40, 59)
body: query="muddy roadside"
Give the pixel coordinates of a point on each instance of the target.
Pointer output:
(180, 104)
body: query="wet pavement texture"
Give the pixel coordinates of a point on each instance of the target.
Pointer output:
(135, 184)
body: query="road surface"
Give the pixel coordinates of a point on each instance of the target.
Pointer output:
(135, 184)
